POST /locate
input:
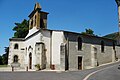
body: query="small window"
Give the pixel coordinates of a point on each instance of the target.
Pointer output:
(16, 46)
(38, 49)
(79, 43)
(32, 23)
(22, 49)
(30, 48)
(35, 21)
(15, 60)
(113, 45)
(102, 46)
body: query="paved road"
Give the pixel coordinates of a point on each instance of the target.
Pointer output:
(108, 73)
(70, 75)
(77, 75)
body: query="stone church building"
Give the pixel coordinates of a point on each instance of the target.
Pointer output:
(59, 49)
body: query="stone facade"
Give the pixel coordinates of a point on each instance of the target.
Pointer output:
(91, 53)
(19, 51)
(38, 18)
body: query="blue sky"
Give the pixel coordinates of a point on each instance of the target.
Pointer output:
(70, 15)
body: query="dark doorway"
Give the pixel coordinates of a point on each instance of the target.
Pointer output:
(66, 62)
(79, 63)
(30, 61)
(15, 59)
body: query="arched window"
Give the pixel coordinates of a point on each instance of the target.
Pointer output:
(102, 46)
(30, 48)
(79, 43)
(15, 59)
(16, 46)
(113, 45)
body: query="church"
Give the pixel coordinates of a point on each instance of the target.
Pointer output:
(59, 49)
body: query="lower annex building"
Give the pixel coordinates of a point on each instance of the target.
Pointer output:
(58, 49)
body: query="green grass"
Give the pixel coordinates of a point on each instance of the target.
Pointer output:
(3, 65)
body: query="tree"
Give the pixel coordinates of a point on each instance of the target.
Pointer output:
(5, 56)
(1, 63)
(88, 32)
(21, 29)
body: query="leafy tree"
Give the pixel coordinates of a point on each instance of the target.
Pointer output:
(1, 63)
(88, 32)
(5, 56)
(21, 29)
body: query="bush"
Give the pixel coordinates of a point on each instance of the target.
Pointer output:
(38, 66)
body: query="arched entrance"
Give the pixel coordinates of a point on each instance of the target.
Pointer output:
(30, 61)
(15, 59)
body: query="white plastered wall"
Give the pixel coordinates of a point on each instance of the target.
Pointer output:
(42, 36)
(57, 39)
(46, 40)
(31, 42)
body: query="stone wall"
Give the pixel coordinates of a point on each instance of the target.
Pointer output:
(19, 52)
(88, 43)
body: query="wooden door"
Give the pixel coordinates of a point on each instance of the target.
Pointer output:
(30, 61)
(79, 63)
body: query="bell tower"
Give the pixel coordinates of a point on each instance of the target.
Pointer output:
(118, 38)
(38, 18)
